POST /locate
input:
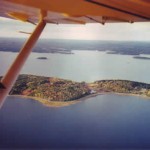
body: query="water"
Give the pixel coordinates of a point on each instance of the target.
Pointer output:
(82, 66)
(105, 121)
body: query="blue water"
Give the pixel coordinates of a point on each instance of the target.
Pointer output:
(105, 121)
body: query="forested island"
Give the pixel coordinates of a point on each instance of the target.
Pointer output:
(41, 57)
(50, 89)
(140, 57)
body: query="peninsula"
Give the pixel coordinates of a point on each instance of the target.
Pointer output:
(50, 90)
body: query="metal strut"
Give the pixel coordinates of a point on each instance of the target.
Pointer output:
(10, 77)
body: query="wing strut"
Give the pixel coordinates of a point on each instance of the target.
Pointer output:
(10, 77)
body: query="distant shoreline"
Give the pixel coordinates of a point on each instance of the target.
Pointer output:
(65, 46)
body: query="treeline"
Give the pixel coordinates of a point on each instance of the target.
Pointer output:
(52, 89)
(121, 86)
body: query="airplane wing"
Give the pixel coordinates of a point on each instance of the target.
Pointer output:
(41, 12)
(77, 11)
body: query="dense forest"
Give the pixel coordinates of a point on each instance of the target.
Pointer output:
(121, 86)
(51, 89)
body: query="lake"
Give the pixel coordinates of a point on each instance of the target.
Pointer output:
(83, 65)
(105, 121)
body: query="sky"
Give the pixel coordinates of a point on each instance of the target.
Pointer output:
(113, 31)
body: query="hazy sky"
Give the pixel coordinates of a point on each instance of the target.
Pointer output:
(114, 31)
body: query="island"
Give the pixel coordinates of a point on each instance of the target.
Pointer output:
(141, 57)
(41, 57)
(53, 91)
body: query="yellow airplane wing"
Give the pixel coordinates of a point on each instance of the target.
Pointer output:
(77, 11)
(41, 12)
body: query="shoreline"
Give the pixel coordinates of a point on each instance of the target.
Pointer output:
(68, 103)
(47, 103)
(57, 103)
